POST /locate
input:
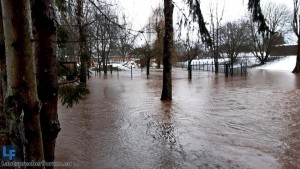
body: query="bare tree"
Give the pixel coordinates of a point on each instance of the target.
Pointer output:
(168, 48)
(192, 50)
(215, 27)
(159, 27)
(125, 39)
(106, 32)
(264, 42)
(148, 52)
(179, 51)
(234, 37)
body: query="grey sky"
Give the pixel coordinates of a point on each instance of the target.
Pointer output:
(138, 11)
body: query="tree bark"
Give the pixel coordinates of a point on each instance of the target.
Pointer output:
(216, 66)
(104, 62)
(22, 105)
(3, 126)
(190, 69)
(168, 46)
(231, 67)
(297, 66)
(82, 43)
(44, 31)
(148, 67)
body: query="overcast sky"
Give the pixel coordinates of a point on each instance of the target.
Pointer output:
(138, 11)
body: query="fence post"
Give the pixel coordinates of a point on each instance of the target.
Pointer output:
(131, 71)
(241, 68)
(231, 69)
(226, 69)
(212, 66)
(207, 66)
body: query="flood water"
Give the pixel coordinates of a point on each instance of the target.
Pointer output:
(213, 122)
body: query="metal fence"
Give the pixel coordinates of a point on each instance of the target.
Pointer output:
(238, 69)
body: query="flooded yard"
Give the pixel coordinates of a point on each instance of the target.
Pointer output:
(213, 122)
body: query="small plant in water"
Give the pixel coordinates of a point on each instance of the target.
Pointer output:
(72, 93)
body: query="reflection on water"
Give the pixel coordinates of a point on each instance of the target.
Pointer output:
(212, 122)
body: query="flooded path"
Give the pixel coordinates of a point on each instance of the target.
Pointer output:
(213, 122)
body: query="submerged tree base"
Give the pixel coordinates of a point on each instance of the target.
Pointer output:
(297, 67)
(168, 47)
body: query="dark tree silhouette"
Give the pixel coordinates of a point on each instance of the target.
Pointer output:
(44, 31)
(168, 47)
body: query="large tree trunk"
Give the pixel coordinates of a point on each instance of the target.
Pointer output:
(231, 67)
(44, 28)
(297, 66)
(190, 69)
(148, 67)
(123, 56)
(168, 45)
(3, 127)
(104, 62)
(82, 43)
(216, 66)
(22, 105)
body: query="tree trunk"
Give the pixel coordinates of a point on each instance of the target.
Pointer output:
(99, 63)
(231, 67)
(264, 59)
(168, 46)
(258, 56)
(104, 62)
(148, 67)
(190, 69)
(22, 105)
(216, 67)
(44, 29)
(82, 43)
(297, 66)
(3, 85)
(123, 57)
(158, 64)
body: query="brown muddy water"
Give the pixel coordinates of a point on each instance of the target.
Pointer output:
(213, 122)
